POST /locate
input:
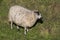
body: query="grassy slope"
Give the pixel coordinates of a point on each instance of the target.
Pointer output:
(48, 30)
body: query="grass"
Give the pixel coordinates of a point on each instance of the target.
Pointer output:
(48, 30)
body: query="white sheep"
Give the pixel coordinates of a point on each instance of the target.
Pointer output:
(23, 17)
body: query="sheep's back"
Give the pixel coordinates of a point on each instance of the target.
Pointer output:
(14, 10)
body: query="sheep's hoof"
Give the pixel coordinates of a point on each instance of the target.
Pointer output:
(24, 33)
(18, 30)
(11, 28)
(27, 30)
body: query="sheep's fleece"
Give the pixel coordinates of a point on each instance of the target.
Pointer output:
(22, 16)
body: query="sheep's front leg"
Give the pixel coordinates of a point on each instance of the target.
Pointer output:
(18, 28)
(11, 25)
(25, 30)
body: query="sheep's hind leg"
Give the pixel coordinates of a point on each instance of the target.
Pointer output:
(25, 30)
(11, 25)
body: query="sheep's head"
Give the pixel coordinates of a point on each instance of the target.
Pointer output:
(38, 14)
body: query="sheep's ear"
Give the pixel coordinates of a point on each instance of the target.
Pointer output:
(36, 11)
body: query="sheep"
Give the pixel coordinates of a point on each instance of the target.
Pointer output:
(23, 17)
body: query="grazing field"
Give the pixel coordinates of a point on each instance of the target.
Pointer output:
(48, 30)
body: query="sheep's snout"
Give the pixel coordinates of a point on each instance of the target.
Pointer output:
(39, 16)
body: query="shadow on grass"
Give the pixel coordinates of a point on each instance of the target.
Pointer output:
(38, 21)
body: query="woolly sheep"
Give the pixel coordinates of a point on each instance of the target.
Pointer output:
(23, 17)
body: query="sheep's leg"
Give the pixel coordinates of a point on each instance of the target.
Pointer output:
(18, 28)
(11, 25)
(25, 29)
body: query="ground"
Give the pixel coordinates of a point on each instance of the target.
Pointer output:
(48, 30)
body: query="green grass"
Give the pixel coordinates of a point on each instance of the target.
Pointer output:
(48, 30)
